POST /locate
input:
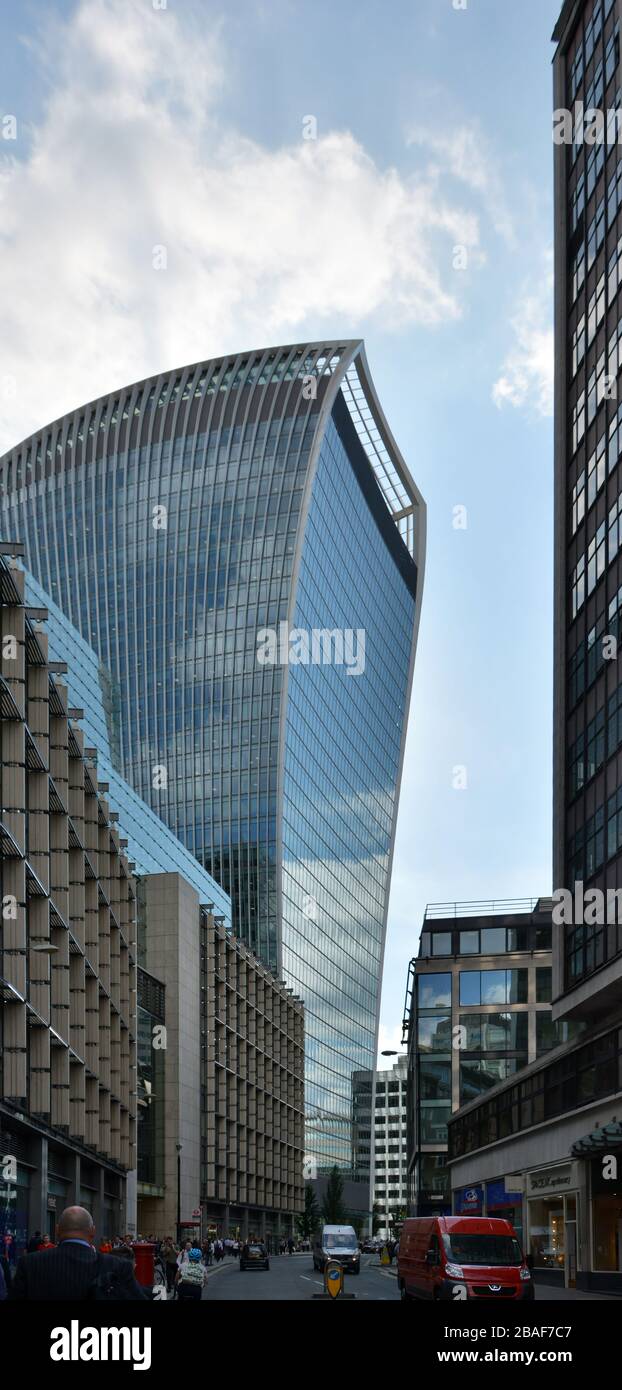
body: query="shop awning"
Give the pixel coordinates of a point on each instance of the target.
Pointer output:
(599, 1141)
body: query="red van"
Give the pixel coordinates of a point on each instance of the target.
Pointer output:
(452, 1257)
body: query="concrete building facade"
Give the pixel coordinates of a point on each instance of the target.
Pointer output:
(67, 951)
(233, 1076)
(380, 1141)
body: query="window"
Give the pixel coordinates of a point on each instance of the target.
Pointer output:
(594, 165)
(614, 823)
(435, 1033)
(596, 229)
(577, 585)
(614, 721)
(576, 765)
(578, 345)
(470, 987)
(434, 991)
(612, 55)
(577, 203)
(595, 743)
(578, 421)
(434, 1080)
(594, 842)
(493, 940)
(578, 271)
(596, 469)
(469, 943)
(615, 528)
(578, 513)
(441, 943)
(493, 986)
(433, 1124)
(544, 987)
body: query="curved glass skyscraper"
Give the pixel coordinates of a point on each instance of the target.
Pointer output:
(242, 544)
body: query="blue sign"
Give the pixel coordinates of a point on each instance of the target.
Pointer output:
(496, 1196)
(469, 1201)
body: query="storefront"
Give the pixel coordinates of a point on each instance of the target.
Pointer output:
(552, 1223)
(506, 1203)
(600, 1159)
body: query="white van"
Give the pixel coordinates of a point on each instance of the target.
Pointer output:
(337, 1243)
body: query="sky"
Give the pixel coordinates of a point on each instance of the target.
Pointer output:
(340, 170)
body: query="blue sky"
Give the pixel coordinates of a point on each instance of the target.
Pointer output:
(182, 127)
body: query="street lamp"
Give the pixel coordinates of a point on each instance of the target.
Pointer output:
(179, 1148)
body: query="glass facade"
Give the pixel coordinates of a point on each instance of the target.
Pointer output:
(336, 838)
(151, 845)
(172, 524)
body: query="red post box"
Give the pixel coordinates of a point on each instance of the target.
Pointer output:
(144, 1252)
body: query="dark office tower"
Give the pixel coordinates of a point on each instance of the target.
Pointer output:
(588, 505)
(174, 522)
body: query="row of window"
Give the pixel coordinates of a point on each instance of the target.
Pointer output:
(485, 941)
(589, 847)
(588, 659)
(587, 45)
(483, 987)
(578, 1078)
(602, 550)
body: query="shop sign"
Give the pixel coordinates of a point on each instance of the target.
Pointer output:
(497, 1196)
(561, 1178)
(469, 1200)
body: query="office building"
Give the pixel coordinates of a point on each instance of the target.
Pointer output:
(380, 1142)
(242, 544)
(478, 1010)
(558, 1130)
(67, 952)
(232, 1072)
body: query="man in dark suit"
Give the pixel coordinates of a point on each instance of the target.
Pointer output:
(67, 1273)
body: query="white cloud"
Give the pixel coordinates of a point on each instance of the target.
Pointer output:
(465, 153)
(527, 374)
(262, 244)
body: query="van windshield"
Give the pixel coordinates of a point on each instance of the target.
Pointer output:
(338, 1242)
(482, 1250)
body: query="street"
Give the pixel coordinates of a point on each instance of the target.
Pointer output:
(293, 1277)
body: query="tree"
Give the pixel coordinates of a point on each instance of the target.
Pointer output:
(376, 1219)
(309, 1219)
(333, 1209)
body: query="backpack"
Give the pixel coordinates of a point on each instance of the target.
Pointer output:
(191, 1272)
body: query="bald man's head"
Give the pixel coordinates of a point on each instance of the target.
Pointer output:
(76, 1223)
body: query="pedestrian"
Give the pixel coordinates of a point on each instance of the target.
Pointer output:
(6, 1270)
(34, 1243)
(191, 1276)
(73, 1270)
(290, 1246)
(46, 1243)
(183, 1254)
(169, 1253)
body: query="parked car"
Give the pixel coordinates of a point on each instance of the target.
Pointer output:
(254, 1255)
(479, 1254)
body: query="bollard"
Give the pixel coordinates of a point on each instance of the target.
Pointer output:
(333, 1278)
